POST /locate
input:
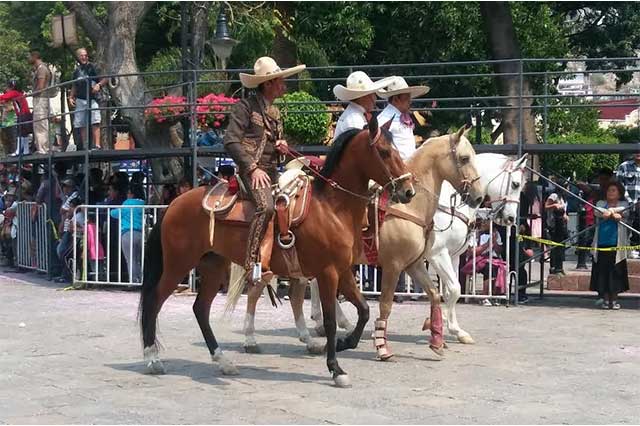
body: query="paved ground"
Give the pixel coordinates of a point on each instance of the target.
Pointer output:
(75, 357)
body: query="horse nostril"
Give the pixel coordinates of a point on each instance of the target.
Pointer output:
(410, 193)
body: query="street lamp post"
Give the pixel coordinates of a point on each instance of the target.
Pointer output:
(223, 44)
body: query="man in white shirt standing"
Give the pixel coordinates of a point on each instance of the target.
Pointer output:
(360, 92)
(399, 95)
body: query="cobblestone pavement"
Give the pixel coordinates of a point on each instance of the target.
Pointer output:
(75, 357)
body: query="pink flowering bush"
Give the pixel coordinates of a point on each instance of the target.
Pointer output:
(166, 108)
(210, 109)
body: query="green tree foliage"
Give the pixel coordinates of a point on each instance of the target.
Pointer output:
(580, 166)
(14, 63)
(300, 127)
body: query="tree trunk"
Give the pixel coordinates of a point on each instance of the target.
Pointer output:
(115, 52)
(284, 50)
(504, 44)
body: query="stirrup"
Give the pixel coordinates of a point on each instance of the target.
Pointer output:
(383, 352)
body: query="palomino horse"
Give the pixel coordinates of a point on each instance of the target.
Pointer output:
(503, 179)
(402, 240)
(325, 245)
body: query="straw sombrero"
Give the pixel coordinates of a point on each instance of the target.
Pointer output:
(358, 85)
(397, 86)
(266, 69)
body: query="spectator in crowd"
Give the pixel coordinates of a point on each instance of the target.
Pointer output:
(557, 219)
(184, 186)
(10, 228)
(131, 227)
(609, 273)
(50, 194)
(485, 246)
(23, 114)
(41, 78)
(83, 96)
(605, 174)
(65, 244)
(628, 174)
(96, 187)
(531, 208)
(525, 253)
(169, 193)
(69, 193)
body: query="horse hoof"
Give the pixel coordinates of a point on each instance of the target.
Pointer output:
(466, 339)
(155, 367)
(316, 348)
(320, 331)
(438, 351)
(342, 381)
(386, 358)
(444, 345)
(229, 370)
(252, 349)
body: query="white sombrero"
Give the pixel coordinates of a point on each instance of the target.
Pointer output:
(397, 86)
(266, 69)
(358, 85)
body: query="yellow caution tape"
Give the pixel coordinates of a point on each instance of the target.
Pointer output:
(556, 244)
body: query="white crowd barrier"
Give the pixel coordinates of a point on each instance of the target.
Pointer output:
(369, 278)
(33, 236)
(109, 243)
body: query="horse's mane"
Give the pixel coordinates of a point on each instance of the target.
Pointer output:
(334, 156)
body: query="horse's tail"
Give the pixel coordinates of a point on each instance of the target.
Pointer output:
(237, 282)
(151, 278)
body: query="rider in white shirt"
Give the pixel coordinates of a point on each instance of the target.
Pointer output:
(399, 95)
(360, 92)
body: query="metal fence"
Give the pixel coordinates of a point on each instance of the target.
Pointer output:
(109, 243)
(33, 236)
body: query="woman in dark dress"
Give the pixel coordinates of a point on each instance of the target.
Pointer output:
(609, 273)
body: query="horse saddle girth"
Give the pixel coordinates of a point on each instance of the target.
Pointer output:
(231, 204)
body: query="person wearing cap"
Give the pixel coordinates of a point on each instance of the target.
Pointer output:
(69, 193)
(253, 139)
(399, 95)
(360, 92)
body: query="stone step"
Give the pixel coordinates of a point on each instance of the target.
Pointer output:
(633, 266)
(580, 280)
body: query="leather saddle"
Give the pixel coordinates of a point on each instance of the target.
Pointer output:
(230, 202)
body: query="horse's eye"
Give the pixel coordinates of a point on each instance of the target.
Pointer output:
(385, 153)
(464, 159)
(515, 185)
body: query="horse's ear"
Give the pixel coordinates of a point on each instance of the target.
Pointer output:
(461, 132)
(387, 125)
(373, 128)
(521, 162)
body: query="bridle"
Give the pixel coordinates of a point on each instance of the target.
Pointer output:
(392, 182)
(466, 182)
(500, 203)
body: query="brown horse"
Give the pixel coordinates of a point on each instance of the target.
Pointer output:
(327, 243)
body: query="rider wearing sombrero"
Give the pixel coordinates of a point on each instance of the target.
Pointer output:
(360, 92)
(253, 139)
(399, 96)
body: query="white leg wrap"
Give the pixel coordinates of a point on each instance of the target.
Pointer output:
(303, 333)
(226, 365)
(249, 330)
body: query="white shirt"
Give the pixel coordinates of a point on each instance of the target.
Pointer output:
(403, 137)
(352, 118)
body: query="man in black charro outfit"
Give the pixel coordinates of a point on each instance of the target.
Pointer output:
(253, 139)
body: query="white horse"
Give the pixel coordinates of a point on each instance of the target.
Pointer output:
(503, 179)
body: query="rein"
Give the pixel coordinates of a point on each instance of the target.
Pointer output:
(392, 181)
